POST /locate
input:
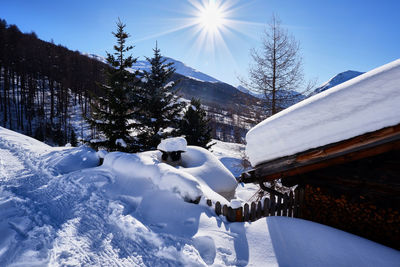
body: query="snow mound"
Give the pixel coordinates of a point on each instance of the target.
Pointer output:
(173, 144)
(203, 165)
(147, 166)
(364, 104)
(72, 159)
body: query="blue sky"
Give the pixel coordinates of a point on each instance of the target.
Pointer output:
(335, 36)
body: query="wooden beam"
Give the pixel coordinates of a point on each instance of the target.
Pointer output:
(363, 146)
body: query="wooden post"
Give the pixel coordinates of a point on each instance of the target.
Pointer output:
(218, 208)
(285, 205)
(279, 206)
(239, 214)
(296, 203)
(259, 212)
(253, 212)
(266, 207)
(290, 211)
(246, 213)
(209, 203)
(231, 214)
(272, 206)
(301, 202)
(225, 210)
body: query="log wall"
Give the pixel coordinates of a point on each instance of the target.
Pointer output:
(361, 197)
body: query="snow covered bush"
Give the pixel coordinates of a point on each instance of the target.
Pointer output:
(203, 165)
(147, 166)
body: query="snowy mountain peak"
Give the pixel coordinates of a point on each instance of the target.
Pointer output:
(190, 72)
(337, 79)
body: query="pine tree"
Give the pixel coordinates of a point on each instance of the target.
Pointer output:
(161, 111)
(195, 126)
(112, 111)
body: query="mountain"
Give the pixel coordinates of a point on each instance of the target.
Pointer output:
(218, 93)
(286, 98)
(247, 91)
(193, 83)
(187, 71)
(337, 79)
(181, 68)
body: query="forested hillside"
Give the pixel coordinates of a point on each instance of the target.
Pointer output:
(40, 81)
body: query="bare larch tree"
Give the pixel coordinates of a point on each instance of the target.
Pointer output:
(276, 71)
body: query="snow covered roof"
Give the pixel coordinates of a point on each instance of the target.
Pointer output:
(172, 144)
(364, 104)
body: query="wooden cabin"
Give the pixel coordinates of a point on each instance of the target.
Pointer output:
(353, 185)
(342, 147)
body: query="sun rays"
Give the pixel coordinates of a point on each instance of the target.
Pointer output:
(208, 27)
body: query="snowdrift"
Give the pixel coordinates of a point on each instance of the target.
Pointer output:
(147, 166)
(202, 173)
(364, 104)
(203, 165)
(72, 159)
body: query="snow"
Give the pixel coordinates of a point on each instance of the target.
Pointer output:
(170, 84)
(325, 246)
(121, 142)
(146, 168)
(120, 214)
(232, 156)
(235, 204)
(180, 68)
(364, 104)
(102, 153)
(203, 165)
(173, 144)
(71, 159)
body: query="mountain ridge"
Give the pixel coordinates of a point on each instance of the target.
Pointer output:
(180, 68)
(336, 80)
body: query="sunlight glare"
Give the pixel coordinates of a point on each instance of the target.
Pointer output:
(211, 17)
(209, 27)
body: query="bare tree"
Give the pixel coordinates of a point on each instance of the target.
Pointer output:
(276, 73)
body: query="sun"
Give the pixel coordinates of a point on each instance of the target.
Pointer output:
(211, 16)
(209, 26)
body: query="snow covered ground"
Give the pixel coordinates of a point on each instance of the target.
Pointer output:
(232, 156)
(57, 208)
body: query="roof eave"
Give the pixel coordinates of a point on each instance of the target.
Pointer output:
(359, 147)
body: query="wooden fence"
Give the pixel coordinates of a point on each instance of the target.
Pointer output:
(274, 205)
